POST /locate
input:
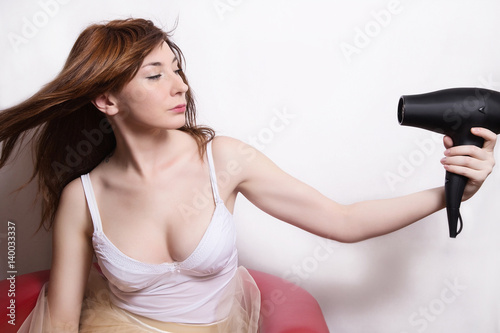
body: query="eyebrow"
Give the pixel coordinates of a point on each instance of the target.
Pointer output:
(157, 63)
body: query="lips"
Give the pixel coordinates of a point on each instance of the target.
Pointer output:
(179, 108)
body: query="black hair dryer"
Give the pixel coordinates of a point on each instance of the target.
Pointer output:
(453, 112)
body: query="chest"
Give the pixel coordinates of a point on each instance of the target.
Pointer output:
(163, 221)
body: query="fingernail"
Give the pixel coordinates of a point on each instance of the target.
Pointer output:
(447, 151)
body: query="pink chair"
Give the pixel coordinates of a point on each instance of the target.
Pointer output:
(286, 308)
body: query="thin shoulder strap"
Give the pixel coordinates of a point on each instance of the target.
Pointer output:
(213, 177)
(92, 203)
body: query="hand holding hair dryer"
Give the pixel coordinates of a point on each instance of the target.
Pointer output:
(453, 112)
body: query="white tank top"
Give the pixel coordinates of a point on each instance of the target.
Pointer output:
(188, 291)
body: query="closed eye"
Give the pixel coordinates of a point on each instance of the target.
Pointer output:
(154, 77)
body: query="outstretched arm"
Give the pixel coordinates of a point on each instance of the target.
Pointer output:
(290, 200)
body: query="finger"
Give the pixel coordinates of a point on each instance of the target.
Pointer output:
(490, 138)
(471, 174)
(465, 162)
(448, 142)
(468, 150)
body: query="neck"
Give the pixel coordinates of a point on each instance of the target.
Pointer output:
(147, 153)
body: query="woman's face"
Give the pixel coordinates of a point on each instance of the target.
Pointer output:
(156, 96)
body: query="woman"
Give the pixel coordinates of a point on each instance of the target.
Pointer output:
(118, 155)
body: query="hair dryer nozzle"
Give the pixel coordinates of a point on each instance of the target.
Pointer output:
(401, 110)
(453, 112)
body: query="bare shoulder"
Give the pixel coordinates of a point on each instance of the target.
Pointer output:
(240, 161)
(73, 195)
(73, 190)
(227, 149)
(72, 211)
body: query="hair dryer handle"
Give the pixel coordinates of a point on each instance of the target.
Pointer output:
(455, 186)
(454, 189)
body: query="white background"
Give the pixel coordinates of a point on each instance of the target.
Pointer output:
(249, 61)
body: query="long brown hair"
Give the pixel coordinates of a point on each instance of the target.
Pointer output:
(69, 135)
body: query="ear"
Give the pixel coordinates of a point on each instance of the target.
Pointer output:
(106, 103)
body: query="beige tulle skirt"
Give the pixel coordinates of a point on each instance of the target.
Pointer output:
(242, 302)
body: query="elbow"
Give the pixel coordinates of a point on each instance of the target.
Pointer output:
(348, 239)
(346, 230)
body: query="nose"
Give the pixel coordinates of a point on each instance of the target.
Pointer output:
(179, 86)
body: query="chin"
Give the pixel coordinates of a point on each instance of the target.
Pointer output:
(178, 124)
